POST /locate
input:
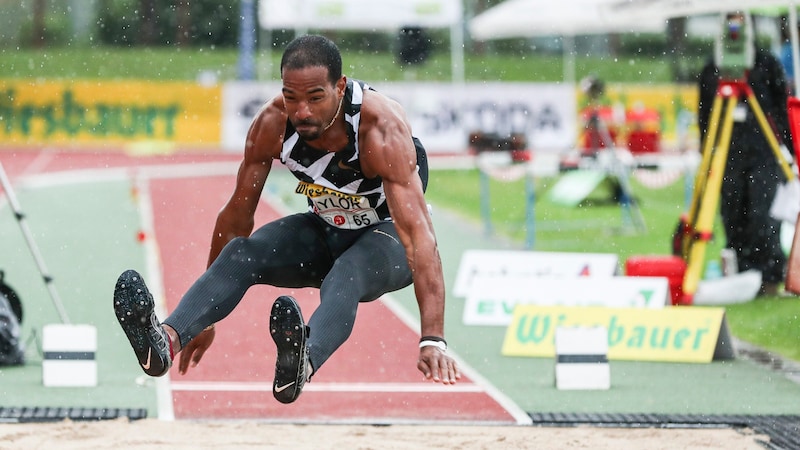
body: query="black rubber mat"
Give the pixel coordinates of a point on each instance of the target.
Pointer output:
(783, 430)
(52, 414)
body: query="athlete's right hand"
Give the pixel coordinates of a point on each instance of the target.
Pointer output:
(195, 349)
(438, 366)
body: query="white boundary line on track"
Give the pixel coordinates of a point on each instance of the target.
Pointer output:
(141, 175)
(156, 286)
(149, 172)
(41, 160)
(245, 386)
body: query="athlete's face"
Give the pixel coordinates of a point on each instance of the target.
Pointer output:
(311, 100)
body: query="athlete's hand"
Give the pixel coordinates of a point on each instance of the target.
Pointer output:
(436, 365)
(195, 349)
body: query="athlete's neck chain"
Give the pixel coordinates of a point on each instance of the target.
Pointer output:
(338, 110)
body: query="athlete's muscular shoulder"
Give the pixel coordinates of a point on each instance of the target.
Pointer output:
(380, 111)
(265, 136)
(385, 142)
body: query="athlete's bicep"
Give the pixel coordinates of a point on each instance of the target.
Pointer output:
(262, 146)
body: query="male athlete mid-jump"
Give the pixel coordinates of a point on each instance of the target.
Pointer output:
(367, 231)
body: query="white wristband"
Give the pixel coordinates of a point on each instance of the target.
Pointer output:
(439, 344)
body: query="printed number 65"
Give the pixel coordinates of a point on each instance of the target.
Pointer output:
(361, 219)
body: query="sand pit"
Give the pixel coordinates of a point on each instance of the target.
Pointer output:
(154, 434)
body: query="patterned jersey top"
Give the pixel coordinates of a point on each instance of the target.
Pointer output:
(336, 189)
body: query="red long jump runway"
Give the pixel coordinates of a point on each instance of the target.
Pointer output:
(372, 378)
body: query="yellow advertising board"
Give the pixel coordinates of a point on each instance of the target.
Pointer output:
(675, 334)
(35, 112)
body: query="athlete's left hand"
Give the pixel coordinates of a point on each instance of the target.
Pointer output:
(195, 349)
(437, 365)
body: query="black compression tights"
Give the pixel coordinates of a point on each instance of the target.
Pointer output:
(300, 251)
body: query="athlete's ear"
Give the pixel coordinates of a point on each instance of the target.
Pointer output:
(341, 84)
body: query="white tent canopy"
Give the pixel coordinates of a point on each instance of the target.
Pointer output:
(637, 9)
(632, 9)
(570, 18)
(529, 18)
(359, 14)
(370, 15)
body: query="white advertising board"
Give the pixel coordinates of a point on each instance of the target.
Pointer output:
(442, 115)
(491, 299)
(241, 100)
(517, 264)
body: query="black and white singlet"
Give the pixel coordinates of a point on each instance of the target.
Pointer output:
(336, 189)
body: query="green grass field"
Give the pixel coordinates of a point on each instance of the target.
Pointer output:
(187, 64)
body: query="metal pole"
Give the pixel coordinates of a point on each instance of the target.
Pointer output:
(486, 208)
(794, 39)
(457, 53)
(530, 211)
(247, 41)
(48, 280)
(568, 50)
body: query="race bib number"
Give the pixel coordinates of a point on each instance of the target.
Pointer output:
(346, 211)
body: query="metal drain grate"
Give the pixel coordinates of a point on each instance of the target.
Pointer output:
(54, 414)
(783, 430)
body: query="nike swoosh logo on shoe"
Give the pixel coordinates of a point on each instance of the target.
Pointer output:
(146, 365)
(283, 388)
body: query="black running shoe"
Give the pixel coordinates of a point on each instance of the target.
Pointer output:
(289, 333)
(135, 311)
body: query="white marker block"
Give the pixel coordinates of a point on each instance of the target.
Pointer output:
(582, 358)
(69, 355)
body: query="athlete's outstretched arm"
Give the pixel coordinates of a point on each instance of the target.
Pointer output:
(387, 150)
(262, 145)
(237, 216)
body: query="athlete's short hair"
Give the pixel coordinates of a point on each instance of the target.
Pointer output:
(311, 51)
